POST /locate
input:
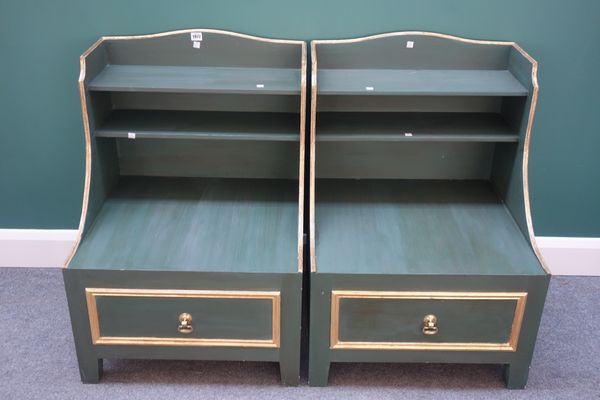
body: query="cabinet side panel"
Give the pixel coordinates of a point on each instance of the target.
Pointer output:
(510, 160)
(102, 167)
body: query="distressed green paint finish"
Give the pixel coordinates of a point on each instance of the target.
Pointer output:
(124, 316)
(185, 226)
(321, 356)
(174, 224)
(418, 227)
(392, 320)
(443, 213)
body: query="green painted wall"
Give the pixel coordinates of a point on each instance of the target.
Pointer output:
(41, 139)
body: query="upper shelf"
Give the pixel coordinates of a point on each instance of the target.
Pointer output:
(181, 79)
(407, 82)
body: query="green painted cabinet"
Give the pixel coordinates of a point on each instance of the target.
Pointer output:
(191, 235)
(422, 247)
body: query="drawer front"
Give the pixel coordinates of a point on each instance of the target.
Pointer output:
(184, 317)
(470, 321)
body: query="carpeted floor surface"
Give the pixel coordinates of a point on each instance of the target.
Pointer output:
(37, 358)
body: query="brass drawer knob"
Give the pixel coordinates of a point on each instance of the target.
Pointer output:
(185, 323)
(430, 325)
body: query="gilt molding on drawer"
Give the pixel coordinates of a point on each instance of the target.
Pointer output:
(93, 294)
(510, 345)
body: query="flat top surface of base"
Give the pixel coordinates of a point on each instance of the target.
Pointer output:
(222, 225)
(417, 227)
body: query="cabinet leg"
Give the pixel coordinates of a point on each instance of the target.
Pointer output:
(319, 357)
(515, 375)
(90, 370)
(290, 372)
(318, 373)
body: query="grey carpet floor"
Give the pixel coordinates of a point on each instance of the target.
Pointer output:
(37, 358)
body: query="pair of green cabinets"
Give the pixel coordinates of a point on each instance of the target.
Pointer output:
(192, 235)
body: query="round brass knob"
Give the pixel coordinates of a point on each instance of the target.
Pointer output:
(185, 323)
(430, 325)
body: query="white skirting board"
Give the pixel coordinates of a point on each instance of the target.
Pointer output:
(571, 255)
(35, 247)
(51, 247)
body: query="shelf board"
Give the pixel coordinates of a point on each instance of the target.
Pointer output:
(378, 82)
(173, 79)
(195, 224)
(202, 125)
(417, 227)
(413, 127)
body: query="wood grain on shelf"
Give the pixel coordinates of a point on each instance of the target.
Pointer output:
(221, 225)
(418, 227)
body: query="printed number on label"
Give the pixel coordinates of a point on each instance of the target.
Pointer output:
(196, 36)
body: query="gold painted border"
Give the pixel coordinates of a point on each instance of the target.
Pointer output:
(88, 138)
(275, 296)
(527, 139)
(510, 345)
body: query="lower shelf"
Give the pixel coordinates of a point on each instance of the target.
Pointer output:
(201, 125)
(195, 224)
(417, 227)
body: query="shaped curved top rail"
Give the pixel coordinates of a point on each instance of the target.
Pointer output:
(427, 50)
(215, 48)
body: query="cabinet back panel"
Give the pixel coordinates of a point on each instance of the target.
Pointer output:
(410, 103)
(428, 52)
(216, 49)
(205, 102)
(401, 160)
(214, 158)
